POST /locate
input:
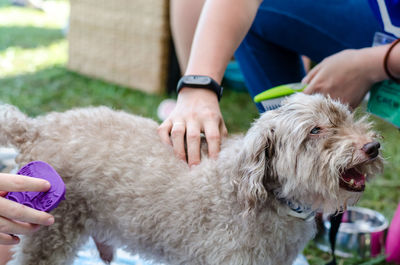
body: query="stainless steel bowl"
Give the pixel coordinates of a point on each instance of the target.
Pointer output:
(362, 233)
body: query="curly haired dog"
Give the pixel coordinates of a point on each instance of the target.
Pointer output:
(253, 205)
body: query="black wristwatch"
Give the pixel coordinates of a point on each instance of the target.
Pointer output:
(200, 81)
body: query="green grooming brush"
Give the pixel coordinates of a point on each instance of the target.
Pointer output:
(272, 98)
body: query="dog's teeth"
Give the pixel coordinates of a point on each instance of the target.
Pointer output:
(352, 182)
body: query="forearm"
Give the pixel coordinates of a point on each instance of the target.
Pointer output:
(373, 58)
(222, 26)
(184, 15)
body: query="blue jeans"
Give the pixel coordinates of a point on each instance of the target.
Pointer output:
(285, 29)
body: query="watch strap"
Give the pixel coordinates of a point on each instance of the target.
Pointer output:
(212, 85)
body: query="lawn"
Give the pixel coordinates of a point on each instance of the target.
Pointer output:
(33, 76)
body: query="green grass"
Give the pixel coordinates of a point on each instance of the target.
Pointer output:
(33, 76)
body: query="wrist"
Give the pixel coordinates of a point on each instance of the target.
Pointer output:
(372, 59)
(392, 55)
(197, 93)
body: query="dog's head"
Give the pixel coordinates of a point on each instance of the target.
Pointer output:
(310, 150)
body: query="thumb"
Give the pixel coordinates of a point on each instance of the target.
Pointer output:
(311, 74)
(309, 89)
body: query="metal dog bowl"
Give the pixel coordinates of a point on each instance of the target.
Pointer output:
(362, 233)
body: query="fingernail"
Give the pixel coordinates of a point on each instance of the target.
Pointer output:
(47, 184)
(50, 221)
(15, 238)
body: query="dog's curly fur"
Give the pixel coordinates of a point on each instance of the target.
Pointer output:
(126, 188)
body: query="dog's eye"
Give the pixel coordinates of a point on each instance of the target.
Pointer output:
(315, 130)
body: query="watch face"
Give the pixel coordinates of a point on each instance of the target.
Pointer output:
(197, 80)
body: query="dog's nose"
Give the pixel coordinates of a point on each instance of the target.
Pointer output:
(371, 149)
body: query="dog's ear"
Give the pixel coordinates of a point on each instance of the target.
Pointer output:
(253, 165)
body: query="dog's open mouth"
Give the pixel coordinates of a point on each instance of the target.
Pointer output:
(352, 180)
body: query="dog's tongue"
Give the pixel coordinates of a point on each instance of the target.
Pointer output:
(353, 180)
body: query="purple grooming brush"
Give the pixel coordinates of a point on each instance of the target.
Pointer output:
(42, 201)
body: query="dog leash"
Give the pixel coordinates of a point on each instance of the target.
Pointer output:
(335, 220)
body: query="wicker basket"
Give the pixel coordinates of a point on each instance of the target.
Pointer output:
(125, 42)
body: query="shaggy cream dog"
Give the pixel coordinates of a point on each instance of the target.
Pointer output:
(254, 205)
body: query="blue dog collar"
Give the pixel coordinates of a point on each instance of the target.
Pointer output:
(299, 211)
(296, 209)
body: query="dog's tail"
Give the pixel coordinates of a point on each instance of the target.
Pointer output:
(15, 127)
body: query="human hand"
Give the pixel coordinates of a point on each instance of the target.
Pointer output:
(196, 111)
(15, 218)
(347, 76)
